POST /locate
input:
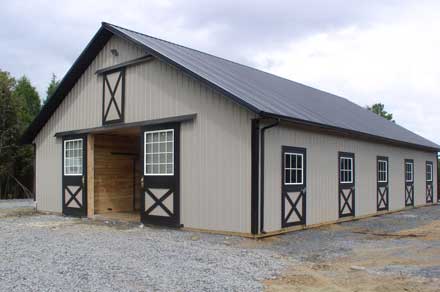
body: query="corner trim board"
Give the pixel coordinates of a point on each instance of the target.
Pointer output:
(255, 174)
(263, 130)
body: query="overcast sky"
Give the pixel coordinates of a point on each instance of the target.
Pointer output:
(367, 51)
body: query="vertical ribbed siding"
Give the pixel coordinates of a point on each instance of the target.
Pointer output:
(322, 174)
(215, 148)
(80, 109)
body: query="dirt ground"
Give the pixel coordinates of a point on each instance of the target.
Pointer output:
(405, 260)
(393, 252)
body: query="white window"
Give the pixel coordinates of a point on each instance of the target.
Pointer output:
(73, 157)
(429, 172)
(409, 171)
(293, 169)
(346, 169)
(382, 170)
(159, 152)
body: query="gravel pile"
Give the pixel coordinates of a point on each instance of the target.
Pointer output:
(52, 253)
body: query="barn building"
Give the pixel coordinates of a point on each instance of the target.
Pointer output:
(173, 136)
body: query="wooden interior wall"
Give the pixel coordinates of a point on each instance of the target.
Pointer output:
(114, 173)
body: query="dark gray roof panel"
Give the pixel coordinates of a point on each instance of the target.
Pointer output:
(264, 92)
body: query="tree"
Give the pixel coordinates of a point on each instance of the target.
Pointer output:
(379, 109)
(54, 82)
(19, 104)
(29, 103)
(9, 131)
(28, 97)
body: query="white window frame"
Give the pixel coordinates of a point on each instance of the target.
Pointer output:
(294, 169)
(431, 172)
(345, 170)
(382, 171)
(411, 172)
(82, 156)
(145, 153)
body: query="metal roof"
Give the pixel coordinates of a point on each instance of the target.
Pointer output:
(267, 94)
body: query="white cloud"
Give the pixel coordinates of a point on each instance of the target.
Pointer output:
(367, 51)
(394, 62)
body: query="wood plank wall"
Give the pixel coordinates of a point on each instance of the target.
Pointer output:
(114, 173)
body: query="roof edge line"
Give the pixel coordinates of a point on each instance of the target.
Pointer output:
(55, 99)
(350, 132)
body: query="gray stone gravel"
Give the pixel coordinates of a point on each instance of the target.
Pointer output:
(53, 253)
(326, 243)
(17, 204)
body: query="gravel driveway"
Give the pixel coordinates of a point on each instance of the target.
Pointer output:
(54, 253)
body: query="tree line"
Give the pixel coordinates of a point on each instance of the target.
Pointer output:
(19, 105)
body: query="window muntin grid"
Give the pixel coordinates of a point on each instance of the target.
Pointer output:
(429, 172)
(346, 169)
(293, 169)
(73, 157)
(382, 171)
(409, 171)
(159, 152)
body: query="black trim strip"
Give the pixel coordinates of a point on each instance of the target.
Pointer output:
(183, 118)
(255, 151)
(346, 132)
(126, 64)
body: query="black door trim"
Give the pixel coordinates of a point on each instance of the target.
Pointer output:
(346, 201)
(429, 184)
(382, 187)
(287, 200)
(80, 181)
(409, 185)
(162, 181)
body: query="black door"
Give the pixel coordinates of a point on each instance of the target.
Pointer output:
(293, 190)
(346, 197)
(409, 182)
(160, 165)
(382, 183)
(74, 183)
(429, 182)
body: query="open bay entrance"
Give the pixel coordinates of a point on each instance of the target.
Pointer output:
(117, 175)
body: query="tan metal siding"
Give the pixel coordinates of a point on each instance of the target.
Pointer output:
(215, 148)
(322, 174)
(80, 109)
